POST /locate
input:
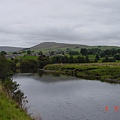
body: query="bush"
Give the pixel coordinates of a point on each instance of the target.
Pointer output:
(5, 68)
(13, 91)
(111, 59)
(28, 64)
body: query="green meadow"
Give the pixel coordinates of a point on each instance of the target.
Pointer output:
(99, 71)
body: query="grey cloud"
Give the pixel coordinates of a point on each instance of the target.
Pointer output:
(28, 22)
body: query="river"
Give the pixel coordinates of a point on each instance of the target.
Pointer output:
(60, 97)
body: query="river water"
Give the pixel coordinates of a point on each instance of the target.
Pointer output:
(60, 97)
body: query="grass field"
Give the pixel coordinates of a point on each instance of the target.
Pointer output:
(9, 110)
(98, 71)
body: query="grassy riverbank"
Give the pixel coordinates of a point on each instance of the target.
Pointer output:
(99, 71)
(9, 110)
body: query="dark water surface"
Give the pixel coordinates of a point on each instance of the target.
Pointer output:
(59, 97)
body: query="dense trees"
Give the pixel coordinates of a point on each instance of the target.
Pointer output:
(108, 59)
(93, 51)
(84, 51)
(97, 57)
(15, 53)
(73, 53)
(28, 52)
(40, 53)
(42, 61)
(3, 53)
(34, 64)
(10, 87)
(5, 68)
(116, 56)
(102, 53)
(69, 59)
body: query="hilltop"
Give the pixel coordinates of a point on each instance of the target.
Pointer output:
(52, 45)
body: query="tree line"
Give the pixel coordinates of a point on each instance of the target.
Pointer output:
(82, 56)
(10, 87)
(72, 56)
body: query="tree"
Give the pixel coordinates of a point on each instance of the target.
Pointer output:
(87, 60)
(73, 53)
(108, 52)
(14, 52)
(3, 53)
(71, 59)
(102, 54)
(117, 56)
(42, 61)
(80, 59)
(108, 59)
(28, 52)
(83, 51)
(111, 59)
(97, 58)
(105, 59)
(93, 51)
(25, 64)
(4, 68)
(64, 59)
(40, 53)
(113, 51)
(23, 51)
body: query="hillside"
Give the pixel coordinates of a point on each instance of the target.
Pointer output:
(46, 46)
(10, 49)
(52, 45)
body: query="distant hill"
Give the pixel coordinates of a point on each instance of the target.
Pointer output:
(10, 49)
(47, 46)
(53, 45)
(56, 46)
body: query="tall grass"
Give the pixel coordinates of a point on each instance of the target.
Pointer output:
(99, 71)
(9, 110)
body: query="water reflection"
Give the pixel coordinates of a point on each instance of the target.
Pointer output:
(60, 97)
(27, 70)
(53, 76)
(41, 73)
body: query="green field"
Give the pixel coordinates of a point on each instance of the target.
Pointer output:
(30, 57)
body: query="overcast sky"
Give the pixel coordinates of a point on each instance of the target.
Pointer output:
(29, 22)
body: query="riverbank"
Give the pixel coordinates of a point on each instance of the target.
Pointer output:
(9, 110)
(109, 72)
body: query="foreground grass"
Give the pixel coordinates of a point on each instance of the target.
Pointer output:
(99, 71)
(9, 110)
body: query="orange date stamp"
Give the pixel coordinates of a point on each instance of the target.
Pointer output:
(115, 108)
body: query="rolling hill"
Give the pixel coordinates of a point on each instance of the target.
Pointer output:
(10, 49)
(46, 46)
(52, 45)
